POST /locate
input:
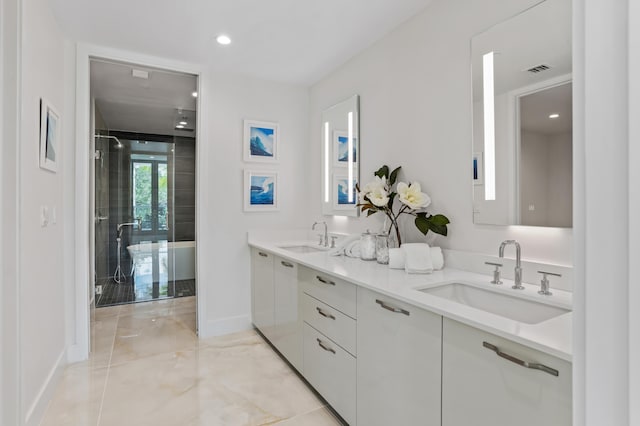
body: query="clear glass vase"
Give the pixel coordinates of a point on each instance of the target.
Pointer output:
(382, 249)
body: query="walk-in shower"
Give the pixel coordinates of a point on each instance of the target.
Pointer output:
(144, 184)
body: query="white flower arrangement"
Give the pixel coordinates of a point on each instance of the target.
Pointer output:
(379, 196)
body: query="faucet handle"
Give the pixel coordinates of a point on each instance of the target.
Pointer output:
(544, 283)
(496, 273)
(320, 239)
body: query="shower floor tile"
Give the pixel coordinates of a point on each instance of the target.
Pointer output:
(117, 294)
(157, 372)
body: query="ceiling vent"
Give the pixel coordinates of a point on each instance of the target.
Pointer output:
(140, 74)
(539, 68)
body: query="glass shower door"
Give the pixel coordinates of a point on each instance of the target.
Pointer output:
(135, 255)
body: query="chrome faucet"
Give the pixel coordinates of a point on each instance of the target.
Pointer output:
(325, 238)
(518, 269)
(137, 223)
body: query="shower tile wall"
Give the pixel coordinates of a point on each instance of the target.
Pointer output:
(185, 185)
(120, 205)
(102, 199)
(116, 189)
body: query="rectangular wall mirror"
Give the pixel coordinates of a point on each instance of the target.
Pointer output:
(340, 158)
(522, 119)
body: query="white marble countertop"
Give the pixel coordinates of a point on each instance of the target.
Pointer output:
(552, 336)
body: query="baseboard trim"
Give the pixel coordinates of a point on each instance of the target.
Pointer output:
(222, 326)
(75, 353)
(39, 405)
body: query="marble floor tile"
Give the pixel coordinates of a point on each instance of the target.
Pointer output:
(78, 397)
(147, 367)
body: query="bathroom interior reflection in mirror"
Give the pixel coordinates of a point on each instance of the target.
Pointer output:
(340, 158)
(522, 119)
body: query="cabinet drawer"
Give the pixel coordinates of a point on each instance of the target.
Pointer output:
(332, 371)
(335, 292)
(329, 321)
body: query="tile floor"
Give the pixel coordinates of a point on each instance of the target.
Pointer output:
(147, 367)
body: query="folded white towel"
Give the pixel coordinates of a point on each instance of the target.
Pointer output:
(437, 258)
(417, 258)
(396, 258)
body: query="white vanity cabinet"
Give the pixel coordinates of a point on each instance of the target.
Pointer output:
(399, 355)
(287, 335)
(262, 293)
(329, 339)
(484, 384)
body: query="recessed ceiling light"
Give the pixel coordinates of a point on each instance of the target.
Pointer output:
(223, 39)
(179, 126)
(194, 94)
(554, 115)
(183, 123)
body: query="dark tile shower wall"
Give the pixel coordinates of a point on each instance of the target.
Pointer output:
(119, 206)
(185, 189)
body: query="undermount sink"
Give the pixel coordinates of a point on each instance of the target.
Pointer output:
(515, 308)
(303, 248)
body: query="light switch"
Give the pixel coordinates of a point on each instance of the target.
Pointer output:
(44, 216)
(54, 215)
(532, 207)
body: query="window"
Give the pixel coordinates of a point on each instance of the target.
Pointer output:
(149, 188)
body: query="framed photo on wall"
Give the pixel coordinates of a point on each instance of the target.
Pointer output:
(49, 136)
(260, 191)
(341, 193)
(341, 148)
(261, 141)
(478, 168)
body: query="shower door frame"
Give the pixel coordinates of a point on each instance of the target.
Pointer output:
(84, 184)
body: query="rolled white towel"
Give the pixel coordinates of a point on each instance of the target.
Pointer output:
(417, 258)
(396, 258)
(353, 249)
(340, 249)
(437, 258)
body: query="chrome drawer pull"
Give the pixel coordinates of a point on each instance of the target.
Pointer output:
(324, 314)
(263, 254)
(520, 362)
(392, 308)
(323, 281)
(326, 348)
(287, 264)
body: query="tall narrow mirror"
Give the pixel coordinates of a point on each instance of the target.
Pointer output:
(522, 119)
(340, 158)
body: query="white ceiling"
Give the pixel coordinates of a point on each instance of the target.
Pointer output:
(154, 105)
(536, 108)
(294, 41)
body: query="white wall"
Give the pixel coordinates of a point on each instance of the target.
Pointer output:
(223, 254)
(415, 88)
(534, 178)
(9, 288)
(560, 205)
(42, 295)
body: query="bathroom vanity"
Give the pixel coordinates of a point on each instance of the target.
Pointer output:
(384, 347)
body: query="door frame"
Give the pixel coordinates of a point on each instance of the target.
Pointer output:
(84, 241)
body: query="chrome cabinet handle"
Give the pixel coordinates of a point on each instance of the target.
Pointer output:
(323, 281)
(392, 308)
(324, 314)
(325, 347)
(520, 362)
(286, 264)
(263, 254)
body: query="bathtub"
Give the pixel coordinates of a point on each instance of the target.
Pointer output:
(171, 260)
